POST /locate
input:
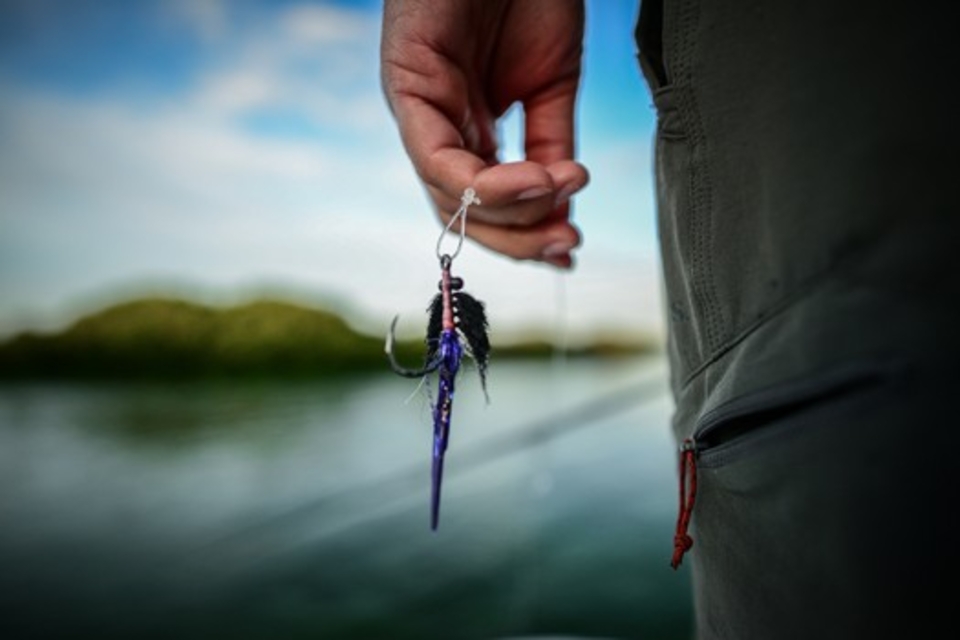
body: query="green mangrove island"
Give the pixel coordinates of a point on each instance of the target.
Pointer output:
(158, 338)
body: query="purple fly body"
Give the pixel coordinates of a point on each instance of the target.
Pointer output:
(450, 354)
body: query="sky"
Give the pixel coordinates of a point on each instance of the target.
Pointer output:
(226, 149)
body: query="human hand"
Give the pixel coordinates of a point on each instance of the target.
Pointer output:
(450, 69)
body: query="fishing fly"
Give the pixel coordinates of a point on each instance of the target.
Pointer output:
(457, 326)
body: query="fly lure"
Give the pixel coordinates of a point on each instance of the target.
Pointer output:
(457, 325)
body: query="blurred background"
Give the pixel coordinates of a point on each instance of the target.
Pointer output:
(207, 222)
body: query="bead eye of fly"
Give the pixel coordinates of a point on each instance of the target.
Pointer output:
(455, 284)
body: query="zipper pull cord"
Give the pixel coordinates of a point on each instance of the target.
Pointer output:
(681, 540)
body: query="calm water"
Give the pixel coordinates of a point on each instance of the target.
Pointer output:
(301, 509)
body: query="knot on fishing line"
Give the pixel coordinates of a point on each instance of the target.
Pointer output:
(469, 197)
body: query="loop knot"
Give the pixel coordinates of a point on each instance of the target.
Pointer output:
(469, 197)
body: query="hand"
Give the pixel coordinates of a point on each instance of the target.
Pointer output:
(450, 69)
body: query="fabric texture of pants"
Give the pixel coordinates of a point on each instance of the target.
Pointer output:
(806, 155)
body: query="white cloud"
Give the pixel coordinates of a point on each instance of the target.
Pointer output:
(236, 90)
(318, 61)
(325, 24)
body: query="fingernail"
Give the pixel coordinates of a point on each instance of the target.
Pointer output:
(533, 192)
(564, 262)
(564, 194)
(556, 250)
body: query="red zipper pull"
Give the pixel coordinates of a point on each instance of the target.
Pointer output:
(688, 464)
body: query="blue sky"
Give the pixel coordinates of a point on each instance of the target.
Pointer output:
(221, 149)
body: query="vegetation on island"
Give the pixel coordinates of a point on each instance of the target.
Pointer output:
(169, 338)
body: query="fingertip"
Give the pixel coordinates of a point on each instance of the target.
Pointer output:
(568, 171)
(569, 177)
(568, 233)
(559, 250)
(563, 262)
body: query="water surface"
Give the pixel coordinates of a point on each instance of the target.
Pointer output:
(282, 509)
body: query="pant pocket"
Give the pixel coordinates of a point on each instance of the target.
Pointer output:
(736, 428)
